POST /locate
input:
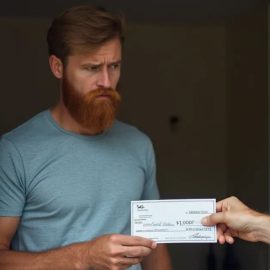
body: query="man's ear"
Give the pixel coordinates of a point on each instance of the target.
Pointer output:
(56, 66)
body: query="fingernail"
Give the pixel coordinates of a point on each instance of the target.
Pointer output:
(204, 221)
(154, 245)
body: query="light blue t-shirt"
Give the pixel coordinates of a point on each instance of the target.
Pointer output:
(71, 188)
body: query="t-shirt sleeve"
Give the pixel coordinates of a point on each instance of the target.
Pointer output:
(12, 188)
(151, 191)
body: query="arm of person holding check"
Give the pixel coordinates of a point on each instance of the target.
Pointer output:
(235, 219)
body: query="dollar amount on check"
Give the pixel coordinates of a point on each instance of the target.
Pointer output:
(173, 221)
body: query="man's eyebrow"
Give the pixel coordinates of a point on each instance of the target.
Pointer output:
(96, 63)
(115, 62)
(88, 63)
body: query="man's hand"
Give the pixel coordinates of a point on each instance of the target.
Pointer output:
(234, 219)
(107, 252)
(116, 252)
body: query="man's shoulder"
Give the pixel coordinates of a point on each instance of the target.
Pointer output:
(128, 128)
(130, 132)
(27, 130)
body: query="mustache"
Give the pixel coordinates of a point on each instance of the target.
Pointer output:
(110, 93)
(101, 92)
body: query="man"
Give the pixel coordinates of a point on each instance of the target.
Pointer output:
(235, 219)
(67, 175)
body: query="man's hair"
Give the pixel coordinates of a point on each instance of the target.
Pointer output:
(83, 29)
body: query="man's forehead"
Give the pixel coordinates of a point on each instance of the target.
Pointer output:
(113, 46)
(96, 57)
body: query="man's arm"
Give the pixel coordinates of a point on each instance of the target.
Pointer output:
(107, 252)
(158, 260)
(235, 219)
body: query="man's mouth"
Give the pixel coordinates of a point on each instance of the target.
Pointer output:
(104, 96)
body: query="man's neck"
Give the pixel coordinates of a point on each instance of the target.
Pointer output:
(63, 118)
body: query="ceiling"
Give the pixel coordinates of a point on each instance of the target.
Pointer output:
(141, 10)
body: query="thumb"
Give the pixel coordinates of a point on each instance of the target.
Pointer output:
(213, 219)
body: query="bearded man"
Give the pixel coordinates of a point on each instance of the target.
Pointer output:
(67, 175)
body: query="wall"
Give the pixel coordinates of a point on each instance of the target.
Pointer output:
(26, 83)
(180, 70)
(248, 123)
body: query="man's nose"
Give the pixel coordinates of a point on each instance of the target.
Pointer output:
(104, 80)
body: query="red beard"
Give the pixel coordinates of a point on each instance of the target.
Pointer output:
(95, 110)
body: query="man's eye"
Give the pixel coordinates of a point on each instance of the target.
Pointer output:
(114, 66)
(92, 68)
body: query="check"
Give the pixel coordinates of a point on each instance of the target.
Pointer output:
(173, 221)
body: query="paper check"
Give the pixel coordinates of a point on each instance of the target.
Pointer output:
(173, 221)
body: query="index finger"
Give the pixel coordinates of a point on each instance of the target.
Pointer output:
(214, 219)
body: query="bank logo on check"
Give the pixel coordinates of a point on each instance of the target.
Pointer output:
(173, 221)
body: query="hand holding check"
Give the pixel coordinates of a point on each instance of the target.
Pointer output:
(235, 219)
